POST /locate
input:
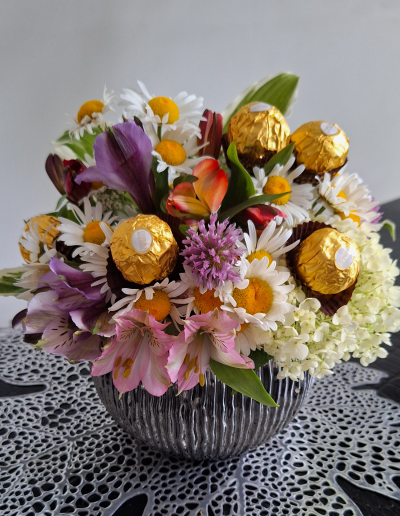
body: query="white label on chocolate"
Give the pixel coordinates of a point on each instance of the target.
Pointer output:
(329, 129)
(344, 257)
(141, 241)
(260, 106)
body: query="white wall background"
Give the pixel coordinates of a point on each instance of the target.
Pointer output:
(56, 55)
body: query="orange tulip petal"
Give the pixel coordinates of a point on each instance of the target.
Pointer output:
(212, 184)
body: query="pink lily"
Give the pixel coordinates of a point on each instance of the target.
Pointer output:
(203, 197)
(138, 352)
(205, 336)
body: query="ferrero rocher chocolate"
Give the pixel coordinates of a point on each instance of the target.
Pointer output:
(46, 227)
(144, 249)
(327, 261)
(320, 146)
(259, 131)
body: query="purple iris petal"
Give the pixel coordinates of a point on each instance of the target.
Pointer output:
(123, 156)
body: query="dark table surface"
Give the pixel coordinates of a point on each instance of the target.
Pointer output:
(370, 502)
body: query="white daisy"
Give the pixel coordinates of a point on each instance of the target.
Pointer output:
(184, 111)
(96, 264)
(261, 297)
(200, 300)
(159, 299)
(270, 244)
(347, 196)
(30, 279)
(92, 228)
(174, 152)
(249, 337)
(91, 114)
(294, 205)
(37, 242)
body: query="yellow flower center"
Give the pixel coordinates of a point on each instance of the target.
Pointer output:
(243, 326)
(206, 302)
(97, 184)
(88, 108)
(352, 216)
(93, 233)
(342, 195)
(277, 185)
(259, 255)
(171, 152)
(159, 307)
(161, 106)
(256, 298)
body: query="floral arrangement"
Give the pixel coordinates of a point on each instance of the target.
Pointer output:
(185, 240)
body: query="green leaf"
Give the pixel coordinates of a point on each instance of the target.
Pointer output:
(281, 158)
(185, 179)
(183, 228)
(258, 199)
(260, 358)
(82, 146)
(161, 180)
(391, 227)
(240, 186)
(280, 91)
(244, 381)
(163, 204)
(8, 278)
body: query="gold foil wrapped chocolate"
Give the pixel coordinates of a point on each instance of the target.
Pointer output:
(259, 131)
(144, 249)
(44, 226)
(320, 146)
(327, 261)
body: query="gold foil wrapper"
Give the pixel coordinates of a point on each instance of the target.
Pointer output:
(144, 249)
(42, 223)
(257, 129)
(320, 146)
(327, 261)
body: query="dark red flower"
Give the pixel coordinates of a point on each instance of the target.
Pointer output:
(211, 132)
(72, 169)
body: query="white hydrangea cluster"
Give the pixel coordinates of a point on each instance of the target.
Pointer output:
(312, 341)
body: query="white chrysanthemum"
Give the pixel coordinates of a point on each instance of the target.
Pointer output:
(261, 298)
(357, 329)
(174, 152)
(345, 194)
(184, 111)
(295, 205)
(92, 228)
(95, 262)
(91, 114)
(270, 244)
(34, 242)
(161, 299)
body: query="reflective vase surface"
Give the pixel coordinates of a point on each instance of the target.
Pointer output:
(205, 422)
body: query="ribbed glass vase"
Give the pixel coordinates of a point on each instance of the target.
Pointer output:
(205, 422)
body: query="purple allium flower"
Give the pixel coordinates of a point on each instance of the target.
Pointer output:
(213, 252)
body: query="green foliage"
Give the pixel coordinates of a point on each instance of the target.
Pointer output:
(161, 180)
(183, 229)
(278, 91)
(244, 381)
(258, 199)
(391, 227)
(281, 158)
(240, 186)
(82, 146)
(260, 358)
(185, 179)
(8, 278)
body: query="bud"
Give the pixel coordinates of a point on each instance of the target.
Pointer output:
(211, 132)
(55, 170)
(72, 169)
(260, 214)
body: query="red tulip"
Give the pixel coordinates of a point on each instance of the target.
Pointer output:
(211, 132)
(260, 214)
(72, 169)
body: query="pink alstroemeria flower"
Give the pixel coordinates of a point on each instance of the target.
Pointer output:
(205, 336)
(138, 352)
(203, 197)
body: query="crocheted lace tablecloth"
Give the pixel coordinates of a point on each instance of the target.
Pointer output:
(61, 453)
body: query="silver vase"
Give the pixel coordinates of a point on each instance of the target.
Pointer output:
(205, 422)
